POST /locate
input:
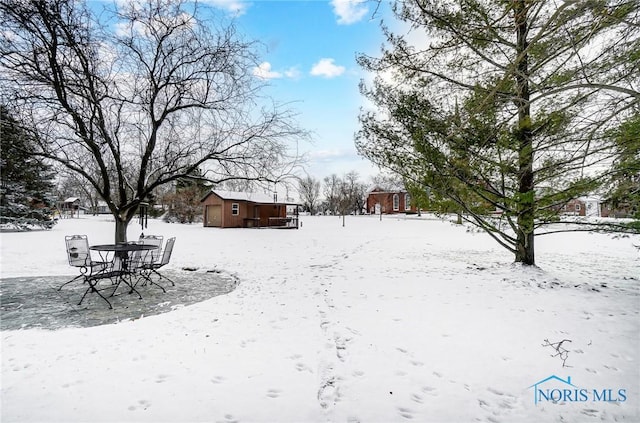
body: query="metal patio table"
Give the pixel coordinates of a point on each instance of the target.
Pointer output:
(122, 269)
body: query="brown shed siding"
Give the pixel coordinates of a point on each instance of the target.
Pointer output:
(249, 213)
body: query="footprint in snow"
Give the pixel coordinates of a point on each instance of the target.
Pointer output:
(495, 391)
(301, 367)
(407, 413)
(417, 398)
(429, 390)
(273, 393)
(143, 404)
(218, 379)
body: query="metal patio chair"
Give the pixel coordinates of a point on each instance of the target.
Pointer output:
(141, 262)
(153, 267)
(154, 255)
(79, 256)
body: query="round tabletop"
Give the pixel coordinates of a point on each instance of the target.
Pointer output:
(123, 247)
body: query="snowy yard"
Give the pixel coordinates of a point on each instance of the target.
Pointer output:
(396, 320)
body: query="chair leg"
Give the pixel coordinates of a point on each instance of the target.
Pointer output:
(132, 285)
(163, 276)
(67, 283)
(147, 277)
(92, 287)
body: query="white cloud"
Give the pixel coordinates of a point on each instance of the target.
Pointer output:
(349, 11)
(263, 71)
(235, 7)
(329, 155)
(293, 73)
(326, 68)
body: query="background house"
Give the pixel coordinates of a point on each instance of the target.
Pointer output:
(389, 201)
(70, 207)
(582, 206)
(593, 206)
(231, 209)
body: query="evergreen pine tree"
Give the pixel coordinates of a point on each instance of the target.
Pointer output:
(504, 106)
(26, 199)
(625, 186)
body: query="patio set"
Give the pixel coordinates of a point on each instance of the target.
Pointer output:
(130, 264)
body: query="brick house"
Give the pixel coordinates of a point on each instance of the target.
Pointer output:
(389, 201)
(583, 206)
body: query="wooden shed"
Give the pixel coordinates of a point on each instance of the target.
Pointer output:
(231, 209)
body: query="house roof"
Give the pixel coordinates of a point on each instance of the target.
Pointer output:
(386, 189)
(71, 200)
(252, 197)
(590, 198)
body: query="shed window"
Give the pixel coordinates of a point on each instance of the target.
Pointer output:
(235, 209)
(577, 207)
(407, 202)
(396, 202)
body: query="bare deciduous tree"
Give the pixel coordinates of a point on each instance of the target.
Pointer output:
(140, 95)
(331, 192)
(356, 191)
(309, 192)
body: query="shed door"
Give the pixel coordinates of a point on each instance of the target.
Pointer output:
(214, 216)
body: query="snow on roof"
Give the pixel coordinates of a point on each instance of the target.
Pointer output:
(590, 198)
(71, 200)
(386, 188)
(255, 197)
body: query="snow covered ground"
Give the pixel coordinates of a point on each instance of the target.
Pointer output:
(396, 320)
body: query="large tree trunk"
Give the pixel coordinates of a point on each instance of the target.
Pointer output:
(121, 230)
(123, 218)
(525, 196)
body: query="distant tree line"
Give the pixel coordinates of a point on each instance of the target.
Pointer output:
(341, 195)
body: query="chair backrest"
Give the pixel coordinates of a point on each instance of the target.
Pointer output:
(168, 248)
(78, 250)
(151, 256)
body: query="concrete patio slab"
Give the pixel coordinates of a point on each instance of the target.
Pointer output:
(36, 302)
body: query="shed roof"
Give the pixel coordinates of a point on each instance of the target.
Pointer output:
(253, 197)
